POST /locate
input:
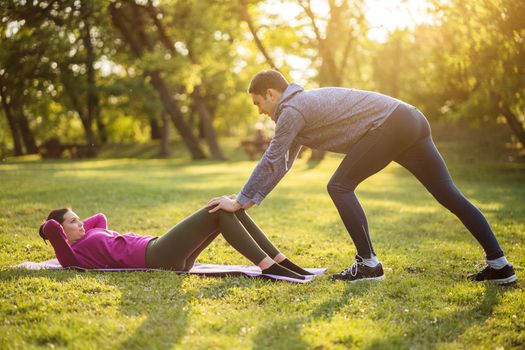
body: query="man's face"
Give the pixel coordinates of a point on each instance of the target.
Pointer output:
(268, 103)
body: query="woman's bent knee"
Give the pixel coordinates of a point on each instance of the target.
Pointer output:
(224, 213)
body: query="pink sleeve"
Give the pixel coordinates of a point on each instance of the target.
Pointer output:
(56, 235)
(96, 221)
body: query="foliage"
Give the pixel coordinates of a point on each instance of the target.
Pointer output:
(466, 64)
(484, 60)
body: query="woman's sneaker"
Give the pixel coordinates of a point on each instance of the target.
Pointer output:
(504, 275)
(360, 272)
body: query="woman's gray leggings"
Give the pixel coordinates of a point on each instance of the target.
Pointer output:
(180, 246)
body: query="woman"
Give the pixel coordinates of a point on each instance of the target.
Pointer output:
(90, 244)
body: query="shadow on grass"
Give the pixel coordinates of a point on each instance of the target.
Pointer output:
(447, 329)
(287, 334)
(165, 309)
(289, 331)
(157, 297)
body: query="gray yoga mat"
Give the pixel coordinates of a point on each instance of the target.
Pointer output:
(197, 269)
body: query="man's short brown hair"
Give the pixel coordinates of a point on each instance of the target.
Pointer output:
(268, 79)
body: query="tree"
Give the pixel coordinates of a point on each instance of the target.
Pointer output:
(58, 45)
(12, 122)
(130, 19)
(206, 116)
(13, 85)
(483, 58)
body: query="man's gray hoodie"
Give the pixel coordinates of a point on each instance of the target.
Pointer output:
(328, 119)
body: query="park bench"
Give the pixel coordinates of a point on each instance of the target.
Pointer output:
(55, 149)
(254, 148)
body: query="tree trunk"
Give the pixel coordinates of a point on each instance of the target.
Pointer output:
(206, 117)
(176, 116)
(207, 124)
(75, 102)
(17, 144)
(25, 131)
(155, 131)
(90, 138)
(165, 140)
(102, 131)
(245, 16)
(93, 105)
(138, 46)
(515, 125)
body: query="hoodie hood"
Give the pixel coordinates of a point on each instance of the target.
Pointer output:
(290, 92)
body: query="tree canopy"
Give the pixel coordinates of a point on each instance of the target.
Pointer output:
(87, 73)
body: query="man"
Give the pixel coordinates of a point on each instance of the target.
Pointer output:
(372, 130)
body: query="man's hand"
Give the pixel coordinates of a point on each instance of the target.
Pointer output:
(226, 203)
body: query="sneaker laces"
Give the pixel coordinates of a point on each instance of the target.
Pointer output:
(352, 270)
(485, 271)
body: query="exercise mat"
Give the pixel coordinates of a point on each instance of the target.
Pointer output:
(197, 269)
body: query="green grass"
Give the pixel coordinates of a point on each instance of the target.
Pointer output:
(424, 303)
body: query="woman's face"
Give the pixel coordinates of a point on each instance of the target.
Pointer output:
(73, 227)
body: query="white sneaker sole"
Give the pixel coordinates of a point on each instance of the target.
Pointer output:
(368, 279)
(504, 280)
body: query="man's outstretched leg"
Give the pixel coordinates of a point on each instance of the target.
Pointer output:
(405, 138)
(425, 162)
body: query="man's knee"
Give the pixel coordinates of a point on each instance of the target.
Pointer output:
(451, 198)
(456, 204)
(335, 187)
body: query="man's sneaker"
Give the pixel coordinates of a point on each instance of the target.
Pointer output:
(360, 272)
(504, 275)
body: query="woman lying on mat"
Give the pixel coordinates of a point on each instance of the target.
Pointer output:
(90, 244)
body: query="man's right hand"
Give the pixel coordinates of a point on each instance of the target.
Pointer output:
(225, 203)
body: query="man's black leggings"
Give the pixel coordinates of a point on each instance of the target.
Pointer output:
(406, 139)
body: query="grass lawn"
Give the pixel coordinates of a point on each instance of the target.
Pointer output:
(424, 303)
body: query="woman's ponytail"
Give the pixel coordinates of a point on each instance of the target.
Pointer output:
(42, 234)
